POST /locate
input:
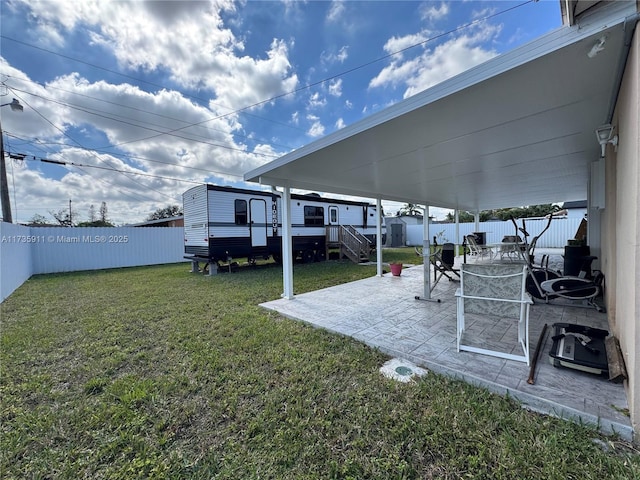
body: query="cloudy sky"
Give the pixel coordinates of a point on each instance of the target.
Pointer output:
(144, 99)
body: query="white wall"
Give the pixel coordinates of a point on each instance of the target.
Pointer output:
(27, 251)
(561, 230)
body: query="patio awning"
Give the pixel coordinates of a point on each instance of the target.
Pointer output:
(516, 130)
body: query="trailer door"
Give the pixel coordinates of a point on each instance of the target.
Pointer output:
(258, 210)
(333, 215)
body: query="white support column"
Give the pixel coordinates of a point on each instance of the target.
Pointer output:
(457, 220)
(426, 295)
(287, 245)
(379, 235)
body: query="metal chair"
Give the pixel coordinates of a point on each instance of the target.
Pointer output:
(478, 251)
(442, 260)
(488, 294)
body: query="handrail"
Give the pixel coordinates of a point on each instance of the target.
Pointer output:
(352, 243)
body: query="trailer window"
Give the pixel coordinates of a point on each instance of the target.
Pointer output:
(313, 216)
(241, 212)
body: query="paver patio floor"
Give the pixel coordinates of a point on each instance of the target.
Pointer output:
(384, 313)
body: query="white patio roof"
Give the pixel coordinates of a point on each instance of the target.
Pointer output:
(516, 130)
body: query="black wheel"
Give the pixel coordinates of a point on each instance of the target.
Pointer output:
(277, 257)
(576, 289)
(307, 256)
(321, 256)
(540, 276)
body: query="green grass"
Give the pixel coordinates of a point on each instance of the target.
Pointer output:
(158, 373)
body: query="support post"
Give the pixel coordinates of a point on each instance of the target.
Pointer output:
(426, 251)
(426, 261)
(4, 186)
(379, 236)
(457, 220)
(287, 244)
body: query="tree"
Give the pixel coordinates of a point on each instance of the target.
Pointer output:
(63, 217)
(506, 213)
(103, 221)
(166, 212)
(103, 212)
(92, 213)
(95, 223)
(411, 209)
(38, 219)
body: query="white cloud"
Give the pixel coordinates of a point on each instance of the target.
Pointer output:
(338, 57)
(316, 101)
(336, 10)
(335, 87)
(433, 66)
(188, 39)
(396, 44)
(340, 123)
(135, 120)
(432, 12)
(316, 129)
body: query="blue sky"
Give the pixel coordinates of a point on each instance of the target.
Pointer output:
(158, 96)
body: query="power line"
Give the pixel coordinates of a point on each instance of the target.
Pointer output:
(126, 121)
(121, 155)
(79, 144)
(24, 156)
(282, 95)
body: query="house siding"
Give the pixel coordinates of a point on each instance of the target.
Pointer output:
(621, 228)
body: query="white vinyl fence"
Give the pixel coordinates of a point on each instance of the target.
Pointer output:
(26, 251)
(561, 230)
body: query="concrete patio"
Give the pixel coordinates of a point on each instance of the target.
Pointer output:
(384, 313)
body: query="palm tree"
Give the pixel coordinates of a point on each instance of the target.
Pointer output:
(411, 209)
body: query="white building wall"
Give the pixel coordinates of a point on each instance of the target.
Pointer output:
(621, 232)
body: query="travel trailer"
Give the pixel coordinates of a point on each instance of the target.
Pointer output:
(222, 223)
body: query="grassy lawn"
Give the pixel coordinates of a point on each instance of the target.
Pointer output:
(154, 372)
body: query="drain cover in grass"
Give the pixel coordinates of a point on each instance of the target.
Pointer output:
(401, 370)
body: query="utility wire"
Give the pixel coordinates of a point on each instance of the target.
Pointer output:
(24, 156)
(79, 144)
(102, 114)
(282, 95)
(125, 156)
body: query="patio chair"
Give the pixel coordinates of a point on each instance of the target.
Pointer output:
(442, 260)
(491, 296)
(478, 251)
(512, 247)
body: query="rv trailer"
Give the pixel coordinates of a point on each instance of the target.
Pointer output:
(222, 223)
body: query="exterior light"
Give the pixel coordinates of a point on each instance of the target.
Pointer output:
(604, 133)
(15, 105)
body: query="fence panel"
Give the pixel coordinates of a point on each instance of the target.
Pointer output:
(89, 248)
(559, 232)
(15, 257)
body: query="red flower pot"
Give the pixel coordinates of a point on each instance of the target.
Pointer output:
(396, 269)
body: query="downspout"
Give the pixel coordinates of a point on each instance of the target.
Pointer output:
(630, 23)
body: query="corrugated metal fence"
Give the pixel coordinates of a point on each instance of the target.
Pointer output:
(27, 251)
(559, 232)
